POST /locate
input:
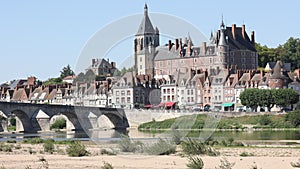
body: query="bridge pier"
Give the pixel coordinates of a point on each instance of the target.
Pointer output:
(3, 125)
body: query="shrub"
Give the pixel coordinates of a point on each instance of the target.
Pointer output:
(5, 147)
(104, 151)
(106, 165)
(59, 124)
(195, 163)
(264, 120)
(196, 147)
(296, 164)
(76, 149)
(49, 146)
(246, 154)
(162, 147)
(126, 145)
(35, 140)
(294, 118)
(225, 164)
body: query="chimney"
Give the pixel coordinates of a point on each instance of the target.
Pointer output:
(169, 45)
(233, 30)
(203, 48)
(176, 44)
(189, 48)
(243, 31)
(252, 38)
(261, 74)
(185, 41)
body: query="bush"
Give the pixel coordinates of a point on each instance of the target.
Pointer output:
(126, 145)
(194, 147)
(76, 149)
(5, 147)
(265, 120)
(296, 164)
(104, 151)
(225, 164)
(49, 146)
(106, 165)
(294, 118)
(35, 140)
(195, 163)
(245, 154)
(59, 124)
(162, 147)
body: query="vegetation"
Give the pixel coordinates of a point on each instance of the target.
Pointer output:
(106, 165)
(162, 147)
(59, 124)
(225, 164)
(66, 71)
(245, 154)
(49, 146)
(195, 163)
(289, 120)
(123, 71)
(296, 164)
(53, 81)
(268, 97)
(107, 152)
(126, 145)
(76, 149)
(288, 52)
(196, 147)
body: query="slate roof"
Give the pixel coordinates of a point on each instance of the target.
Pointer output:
(146, 26)
(239, 42)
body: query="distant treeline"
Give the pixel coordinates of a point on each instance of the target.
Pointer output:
(287, 52)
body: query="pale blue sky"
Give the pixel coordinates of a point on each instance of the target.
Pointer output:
(40, 37)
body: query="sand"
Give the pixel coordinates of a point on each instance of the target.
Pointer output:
(266, 158)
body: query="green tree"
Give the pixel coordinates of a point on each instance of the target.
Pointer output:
(266, 98)
(66, 71)
(294, 118)
(285, 97)
(123, 71)
(250, 98)
(292, 52)
(52, 81)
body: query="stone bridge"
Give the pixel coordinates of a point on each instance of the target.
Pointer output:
(37, 117)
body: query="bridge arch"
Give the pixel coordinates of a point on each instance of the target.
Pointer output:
(71, 119)
(69, 124)
(23, 121)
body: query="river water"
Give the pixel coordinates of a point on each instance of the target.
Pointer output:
(109, 135)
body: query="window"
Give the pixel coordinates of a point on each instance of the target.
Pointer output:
(122, 93)
(210, 60)
(168, 91)
(209, 99)
(188, 92)
(164, 98)
(123, 100)
(164, 91)
(208, 91)
(188, 99)
(128, 92)
(192, 91)
(173, 98)
(216, 98)
(160, 63)
(169, 63)
(117, 93)
(117, 100)
(173, 90)
(141, 59)
(205, 99)
(182, 92)
(141, 67)
(128, 99)
(192, 99)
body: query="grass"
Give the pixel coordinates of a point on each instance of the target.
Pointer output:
(232, 123)
(246, 154)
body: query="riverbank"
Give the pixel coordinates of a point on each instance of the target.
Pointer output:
(33, 156)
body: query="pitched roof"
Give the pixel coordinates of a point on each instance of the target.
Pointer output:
(239, 42)
(146, 26)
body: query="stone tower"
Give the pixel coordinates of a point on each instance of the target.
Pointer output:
(145, 42)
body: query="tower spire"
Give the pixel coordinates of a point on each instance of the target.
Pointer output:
(222, 26)
(145, 9)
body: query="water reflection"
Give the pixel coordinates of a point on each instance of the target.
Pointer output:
(109, 135)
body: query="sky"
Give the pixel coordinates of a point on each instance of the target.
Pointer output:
(39, 38)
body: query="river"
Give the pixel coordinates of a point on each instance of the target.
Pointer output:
(109, 135)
